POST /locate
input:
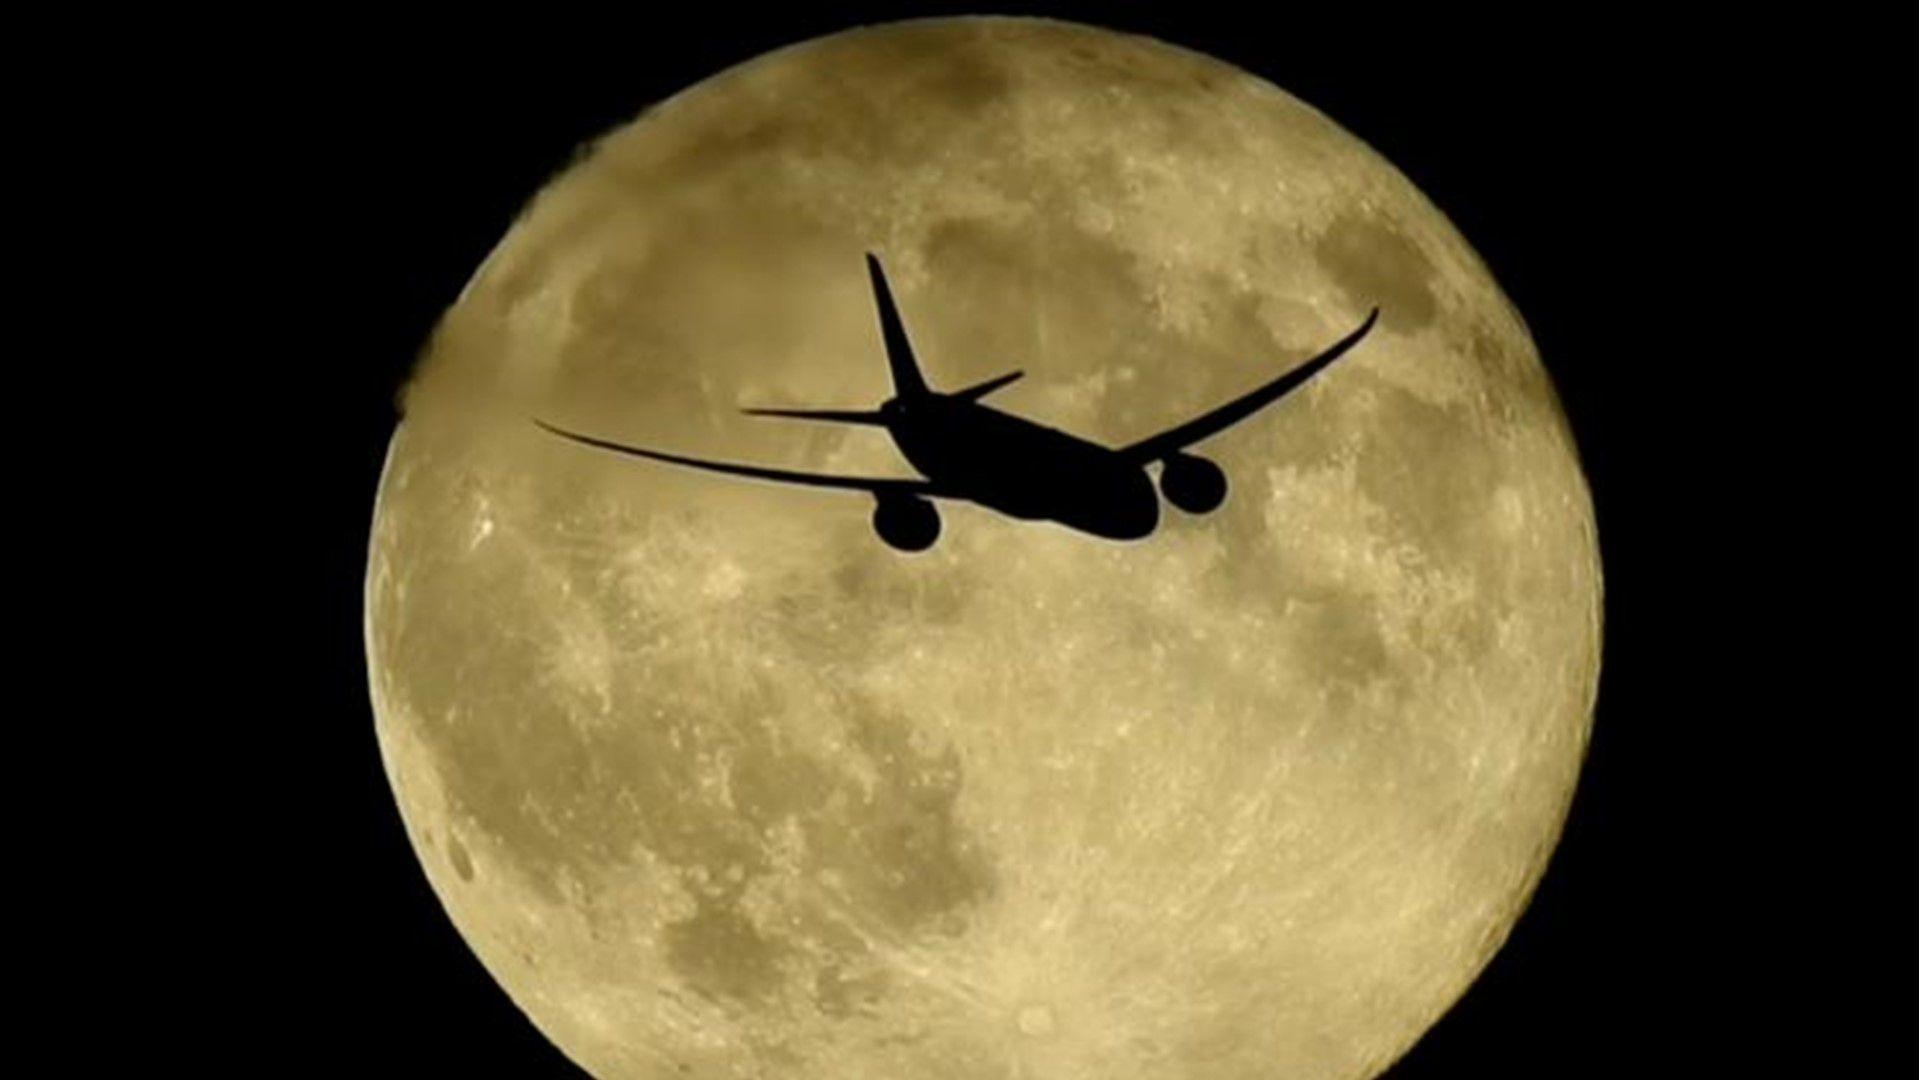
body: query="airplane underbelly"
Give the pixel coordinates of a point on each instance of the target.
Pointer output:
(1033, 473)
(1110, 503)
(1028, 505)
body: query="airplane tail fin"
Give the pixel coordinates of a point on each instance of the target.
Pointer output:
(906, 374)
(838, 416)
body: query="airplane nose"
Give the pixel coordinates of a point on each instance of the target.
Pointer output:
(1118, 509)
(1139, 518)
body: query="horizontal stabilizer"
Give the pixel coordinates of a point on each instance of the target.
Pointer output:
(838, 416)
(980, 390)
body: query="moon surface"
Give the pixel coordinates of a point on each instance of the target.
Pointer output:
(717, 785)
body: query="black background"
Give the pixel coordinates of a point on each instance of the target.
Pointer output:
(1706, 226)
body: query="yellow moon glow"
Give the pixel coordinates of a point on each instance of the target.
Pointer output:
(717, 785)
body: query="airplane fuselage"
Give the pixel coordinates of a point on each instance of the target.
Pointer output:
(1023, 469)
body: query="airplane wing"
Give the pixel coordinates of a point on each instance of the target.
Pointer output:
(1212, 423)
(874, 485)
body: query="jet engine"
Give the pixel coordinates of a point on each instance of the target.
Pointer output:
(1193, 484)
(906, 522)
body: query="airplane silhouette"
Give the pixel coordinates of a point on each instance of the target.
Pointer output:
(1006, 463)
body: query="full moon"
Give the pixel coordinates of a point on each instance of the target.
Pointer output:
(716, 784)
